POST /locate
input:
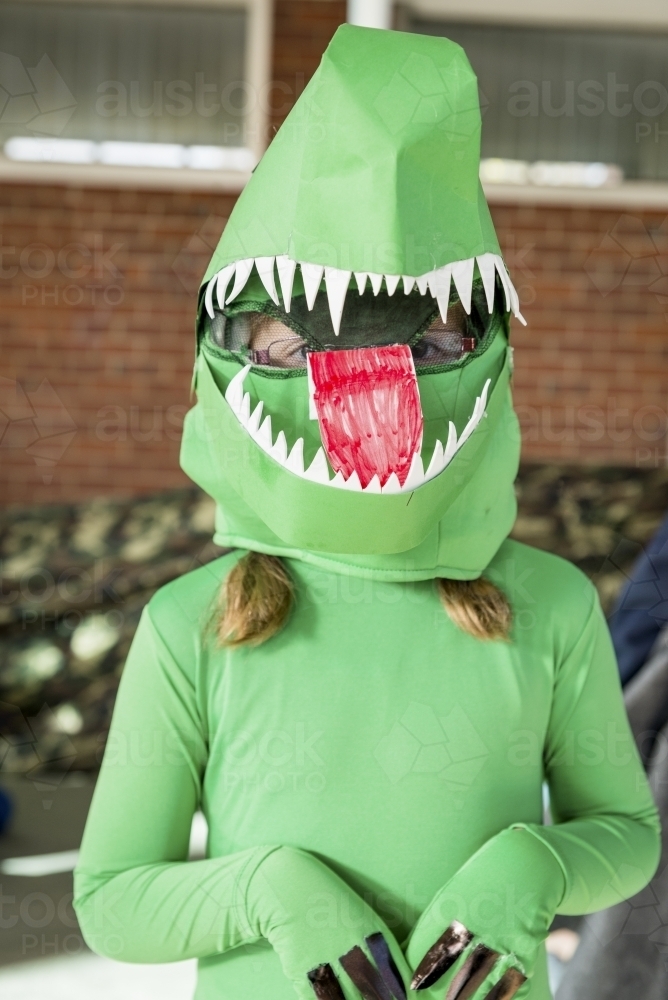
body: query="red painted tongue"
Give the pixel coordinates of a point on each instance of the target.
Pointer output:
(369, 411)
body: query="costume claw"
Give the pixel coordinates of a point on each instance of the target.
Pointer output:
(364, 976)
(441, 956)
(475, 969)
(382, 956)
(325, 984)
(507, 986)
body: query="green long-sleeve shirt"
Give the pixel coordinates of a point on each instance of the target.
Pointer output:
(372, 732)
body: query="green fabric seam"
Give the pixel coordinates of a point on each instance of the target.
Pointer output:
(261, 854)
(567, 880)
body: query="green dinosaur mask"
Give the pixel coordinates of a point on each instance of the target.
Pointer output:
(353, 363)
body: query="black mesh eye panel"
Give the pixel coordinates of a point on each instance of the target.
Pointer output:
(368, 320)
(268, 337)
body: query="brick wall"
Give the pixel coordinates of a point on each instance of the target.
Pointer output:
(97, 303)
(302, 31)
(97, 337)
(591, 382)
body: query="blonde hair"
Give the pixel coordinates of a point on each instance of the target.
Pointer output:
(258, 594)
(254, 602)
(478, 607)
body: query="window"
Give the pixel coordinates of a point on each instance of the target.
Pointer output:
(562, 94)
(156, 85)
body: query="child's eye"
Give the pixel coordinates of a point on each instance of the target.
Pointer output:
(274, 344)
(444, 343)
(283, 353)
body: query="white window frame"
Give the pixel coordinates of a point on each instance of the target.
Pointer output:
(257, 73)
(642, 15)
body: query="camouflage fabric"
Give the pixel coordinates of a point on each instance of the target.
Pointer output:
(75, 579)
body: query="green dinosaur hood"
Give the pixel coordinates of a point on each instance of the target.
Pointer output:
(376, 167)
(372, 178)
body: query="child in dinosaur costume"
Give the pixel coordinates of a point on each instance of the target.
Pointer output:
(367, 696)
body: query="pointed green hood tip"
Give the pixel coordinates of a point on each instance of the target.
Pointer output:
(374, 174)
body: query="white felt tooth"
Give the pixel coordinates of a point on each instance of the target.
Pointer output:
(244, 410)
(208, 296)
(280, 449)
(338, 481)
(360, 278)
(254, 420)
(415, 476)
(265, 268)
(373, 486)
(318, 470)
(488, 275)
(483, 395)
(468, 430)
(263, 437)
(409, 284)
(451, 444)
(376, 281)
(235, 390)
(336, 284)
(392, 485)
(422, 282)
(501, 268)
(391, 282)
(295, 460)
(515, 303)
(286, 277)
(436, 461)
(311, 276)
(439, 286)
(223, 279)
(474, 420)
(243, 269)
(462, 275)
(353, 483)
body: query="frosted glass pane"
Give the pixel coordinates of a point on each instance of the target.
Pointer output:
(123, 72)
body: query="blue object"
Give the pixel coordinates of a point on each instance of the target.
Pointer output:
(6, 809)
(642, 607)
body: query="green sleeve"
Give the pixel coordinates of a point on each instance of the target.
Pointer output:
(136, 896)
(606, 829)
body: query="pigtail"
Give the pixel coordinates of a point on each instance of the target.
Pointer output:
(255, 601)
(258, 594)
(477, 607)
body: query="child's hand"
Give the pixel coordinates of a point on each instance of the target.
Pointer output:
(331, 944)
(483, 930)
(477, 970)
